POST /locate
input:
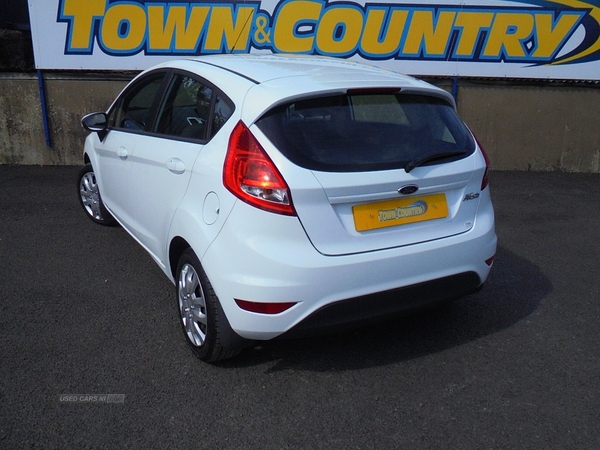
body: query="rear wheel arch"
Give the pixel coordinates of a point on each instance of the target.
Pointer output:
(176, 249)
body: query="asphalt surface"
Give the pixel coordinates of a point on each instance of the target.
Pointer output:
(84, 311)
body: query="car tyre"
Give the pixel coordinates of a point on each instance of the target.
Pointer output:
(199, 311)
(90, 198)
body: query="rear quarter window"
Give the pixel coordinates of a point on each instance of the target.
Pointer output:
(363, 132)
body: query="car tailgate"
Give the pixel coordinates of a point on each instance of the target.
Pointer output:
(362, 212)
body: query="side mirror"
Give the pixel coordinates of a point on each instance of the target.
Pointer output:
(96, 122)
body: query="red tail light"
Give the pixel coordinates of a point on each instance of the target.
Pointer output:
(264, 308)
(251, 176)
(485, 181)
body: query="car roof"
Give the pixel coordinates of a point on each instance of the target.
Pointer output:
(262, 68)
(262, 80)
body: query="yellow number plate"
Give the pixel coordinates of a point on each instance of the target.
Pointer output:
(399, 212)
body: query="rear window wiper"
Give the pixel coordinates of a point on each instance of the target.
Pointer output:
(431, 157)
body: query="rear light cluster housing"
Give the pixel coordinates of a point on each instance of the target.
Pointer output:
(250, 175)
(485, 180)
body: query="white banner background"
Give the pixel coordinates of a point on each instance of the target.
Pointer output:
(508, 39)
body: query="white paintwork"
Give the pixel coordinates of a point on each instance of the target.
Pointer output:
(165, 189)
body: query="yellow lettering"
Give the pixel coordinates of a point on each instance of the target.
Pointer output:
(508, 32)
(371, 43)
(471, 24)
(124, 27)
(177, 30)
(292, 15)
(347, 22)
(548, 38)
(83, 13)
(422, 33)
(222, 30)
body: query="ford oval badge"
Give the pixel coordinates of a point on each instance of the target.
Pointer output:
(407, 190)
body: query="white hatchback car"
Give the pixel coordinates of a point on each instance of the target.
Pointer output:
(287, 195)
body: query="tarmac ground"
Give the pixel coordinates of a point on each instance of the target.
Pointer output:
(85, 312)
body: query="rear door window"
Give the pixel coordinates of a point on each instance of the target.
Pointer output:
(186, 109)
(367, 131)
(192, 109)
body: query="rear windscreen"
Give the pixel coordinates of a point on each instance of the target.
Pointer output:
(367, 131)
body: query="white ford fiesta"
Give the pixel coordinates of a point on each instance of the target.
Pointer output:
(288, 195)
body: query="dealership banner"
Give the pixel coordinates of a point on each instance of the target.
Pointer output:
(542, 39)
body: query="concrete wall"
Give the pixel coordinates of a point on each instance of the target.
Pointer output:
(537, 128)
(522, 126)
(22, 138)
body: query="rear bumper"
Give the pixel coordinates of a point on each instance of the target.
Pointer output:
(270, 259)
(372, 308)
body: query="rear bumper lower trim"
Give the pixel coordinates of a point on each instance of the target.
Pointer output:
(369, 309)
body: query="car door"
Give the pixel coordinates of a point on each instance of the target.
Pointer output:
(128, 121)
(163, 161)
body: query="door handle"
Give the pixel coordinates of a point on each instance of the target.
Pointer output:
(175, 165)
(122, 153)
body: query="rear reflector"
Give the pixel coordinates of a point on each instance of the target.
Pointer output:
(264, 308)
(489, 261)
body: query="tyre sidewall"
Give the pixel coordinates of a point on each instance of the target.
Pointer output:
(208, 350)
